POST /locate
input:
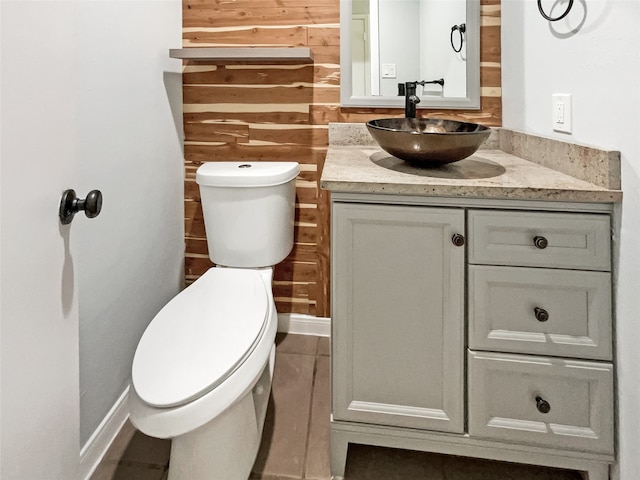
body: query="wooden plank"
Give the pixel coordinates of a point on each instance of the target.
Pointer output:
(309, 176)
(253, 151)
(302, 137)
(490, 76)
(326, 74)
(196, 266)
(191, 192)
(247, 4)
(295, 272)
(194, 228)
(324, 114)
(323, 36)
(243, 54)
(290, 290)
(280, 118)
(216, 132)
(197, 246)
(250, 36)
(487, 115)
(295, 306)
(290, 134)
(303, 252)
(305, 234)
(249, 75)
(212, 15)
(201, 73)
(490, 40)
(192, 209)
(265, 94)
(307, 195)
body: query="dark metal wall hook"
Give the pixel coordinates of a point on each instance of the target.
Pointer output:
(70, 204)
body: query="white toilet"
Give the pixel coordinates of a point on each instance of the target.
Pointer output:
(202, 371)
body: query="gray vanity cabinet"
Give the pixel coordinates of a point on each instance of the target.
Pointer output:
(398, 316)
(473, 328)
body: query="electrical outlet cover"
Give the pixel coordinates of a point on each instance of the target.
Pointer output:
(561, 112)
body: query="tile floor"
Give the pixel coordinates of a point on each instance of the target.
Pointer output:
(295, 442)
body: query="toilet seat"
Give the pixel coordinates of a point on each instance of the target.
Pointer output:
(200, 337)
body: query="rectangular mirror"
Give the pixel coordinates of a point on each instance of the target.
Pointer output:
(387, 42)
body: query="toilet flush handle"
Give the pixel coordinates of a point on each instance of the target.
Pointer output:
(70, 204)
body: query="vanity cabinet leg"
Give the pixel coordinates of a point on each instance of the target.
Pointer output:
(599, 471)
(339, 447)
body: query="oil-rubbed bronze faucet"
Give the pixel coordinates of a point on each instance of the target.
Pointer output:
(408, 89)
(410, 99)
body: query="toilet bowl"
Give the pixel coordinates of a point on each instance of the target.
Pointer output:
(212, 402)
(202, 372)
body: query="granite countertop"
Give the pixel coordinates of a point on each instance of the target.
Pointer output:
(355, 164)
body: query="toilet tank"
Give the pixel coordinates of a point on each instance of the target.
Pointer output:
(248, 211)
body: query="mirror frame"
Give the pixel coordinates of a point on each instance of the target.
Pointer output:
(470, 102)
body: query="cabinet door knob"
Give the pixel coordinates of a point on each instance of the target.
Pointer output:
(540, 242)
(541, 314)
(457, 239)
(542, 405)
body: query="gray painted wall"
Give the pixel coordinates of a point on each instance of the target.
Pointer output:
(131, 256)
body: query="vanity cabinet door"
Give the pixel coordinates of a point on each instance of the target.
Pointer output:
(398, 306)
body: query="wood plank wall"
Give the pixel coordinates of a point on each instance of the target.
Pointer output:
(281, 112)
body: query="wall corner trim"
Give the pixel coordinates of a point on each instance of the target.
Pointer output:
(96, 447)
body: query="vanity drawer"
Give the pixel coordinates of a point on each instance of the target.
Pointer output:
(509, 395)
(540, 239)
(540, 311)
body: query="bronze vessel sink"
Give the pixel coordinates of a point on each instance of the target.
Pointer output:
(428, 141)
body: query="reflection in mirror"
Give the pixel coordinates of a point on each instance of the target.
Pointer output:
(385, 43)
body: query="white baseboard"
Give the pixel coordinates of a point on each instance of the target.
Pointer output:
(304, 324)
(94, 450)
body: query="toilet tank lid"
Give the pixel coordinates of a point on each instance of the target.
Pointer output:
(246, 174)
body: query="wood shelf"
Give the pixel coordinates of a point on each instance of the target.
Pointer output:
(244, 54)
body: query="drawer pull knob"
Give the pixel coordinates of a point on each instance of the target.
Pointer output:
(540, 242)
(541, 314)
(543, 405)
(457, 239)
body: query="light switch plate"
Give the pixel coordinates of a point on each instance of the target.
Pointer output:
(561, 112)
(388, 70)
